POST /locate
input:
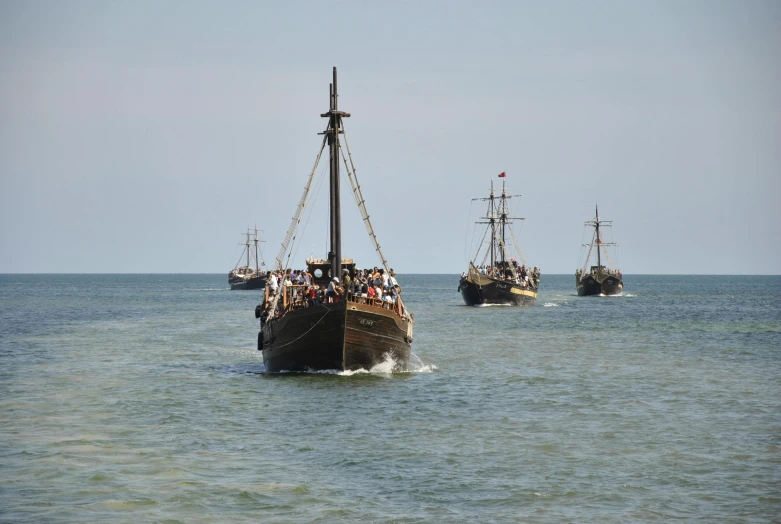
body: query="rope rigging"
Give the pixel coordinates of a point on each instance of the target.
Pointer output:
(517, 248)
(296, 245)
(588, 255)
(352, 175)
(291, 231)
(466, 233)
(502, 211)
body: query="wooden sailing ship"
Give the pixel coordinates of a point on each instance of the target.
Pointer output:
(248, 276)
(301, 330)
(498, 278)
(598, 279)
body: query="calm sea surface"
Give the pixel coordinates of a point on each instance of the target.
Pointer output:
(141, 398)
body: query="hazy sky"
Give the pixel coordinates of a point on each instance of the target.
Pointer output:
(146, 136)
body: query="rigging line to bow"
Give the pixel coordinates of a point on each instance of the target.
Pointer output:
(298, 241)
(480, 246)
(588, 255)
(466, 233)
(291, 231)
(262, 259)
(604, 250)
(517, 248)
(240, 257)
(471, 248)
(352, 175)
(295, 221)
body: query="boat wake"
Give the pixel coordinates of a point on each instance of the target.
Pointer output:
(388, 366)
(493, 305)
(550, 304)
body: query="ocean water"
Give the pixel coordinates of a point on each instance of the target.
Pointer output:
(141, 398)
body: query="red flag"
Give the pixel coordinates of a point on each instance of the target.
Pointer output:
(502, 174)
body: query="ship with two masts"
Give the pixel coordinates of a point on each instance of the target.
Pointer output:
(249, 276)
(598, 279)
(501, 276)
(302, 329)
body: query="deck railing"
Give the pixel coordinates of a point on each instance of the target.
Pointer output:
(296, 296)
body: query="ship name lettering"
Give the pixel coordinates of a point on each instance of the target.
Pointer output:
(369, 323)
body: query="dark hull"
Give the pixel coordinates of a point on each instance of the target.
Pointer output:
(589, 286)
(252, 283)
(612, 285)
(342, 336)
(496, 293)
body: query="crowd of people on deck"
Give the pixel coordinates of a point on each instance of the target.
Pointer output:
(369, 286)
(513, 272)
(595, 271)
(241, 271)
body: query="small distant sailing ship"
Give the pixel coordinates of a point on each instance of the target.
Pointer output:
(498, 278)
(598, 279)
(247, 276)
(299, 330)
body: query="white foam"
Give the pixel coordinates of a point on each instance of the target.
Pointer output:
(386, 367)
(382, 368)
(550, 304)
(417, 366)
(389, 365)
(493, 305)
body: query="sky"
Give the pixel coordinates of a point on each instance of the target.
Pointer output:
(145, 137)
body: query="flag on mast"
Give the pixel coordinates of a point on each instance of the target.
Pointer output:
(502, 174)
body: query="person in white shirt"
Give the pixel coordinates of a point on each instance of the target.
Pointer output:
(392, 279)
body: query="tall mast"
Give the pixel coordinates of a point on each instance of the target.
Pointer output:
(497, 212)
(248, 244)
(503, 218)
(334, 129)
(599, 247)
(257, 260)
(492, 220)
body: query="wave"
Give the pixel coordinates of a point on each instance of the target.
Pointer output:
(388, 366)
